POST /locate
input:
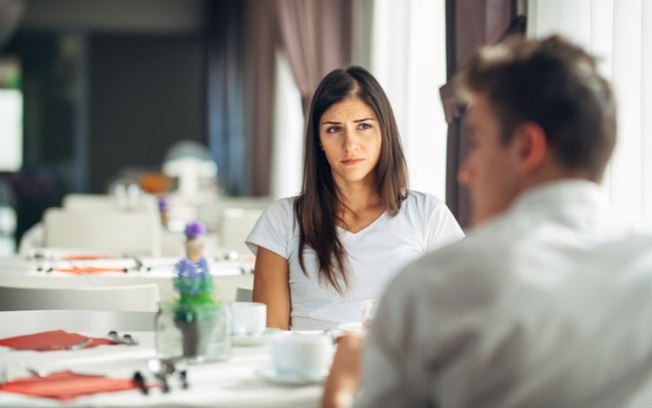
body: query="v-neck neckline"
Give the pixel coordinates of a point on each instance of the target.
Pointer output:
(369, 227)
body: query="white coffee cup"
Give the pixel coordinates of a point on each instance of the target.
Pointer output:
(302, 355)
(248, 318)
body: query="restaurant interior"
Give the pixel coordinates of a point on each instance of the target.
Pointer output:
(131, 128)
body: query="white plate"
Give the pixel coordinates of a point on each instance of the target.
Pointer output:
(250, 341)
(270, 374)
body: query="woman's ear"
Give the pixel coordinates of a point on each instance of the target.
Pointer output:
(530, 146)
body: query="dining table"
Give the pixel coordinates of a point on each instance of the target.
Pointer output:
(228, 274)
(235, 382)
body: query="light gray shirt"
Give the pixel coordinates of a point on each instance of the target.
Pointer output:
(548, 305)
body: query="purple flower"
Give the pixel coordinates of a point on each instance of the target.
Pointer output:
(163, 204)
(194, 229)
(193, 280)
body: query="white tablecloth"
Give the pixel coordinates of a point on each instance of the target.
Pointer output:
(232, 383)
(227, 276)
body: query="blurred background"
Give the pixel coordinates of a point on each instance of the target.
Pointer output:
(99, 92)
(196, 101)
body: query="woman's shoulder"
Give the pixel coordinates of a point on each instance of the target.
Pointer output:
(282, 206)
(420, 200)
(284, 202)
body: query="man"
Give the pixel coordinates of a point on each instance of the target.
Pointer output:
(546, 303)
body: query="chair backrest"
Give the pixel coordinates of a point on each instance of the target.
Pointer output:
(107, 202)
(244, 294)
(235, 225)
(211, 212)
(124, 232)
(15, 323)
(135, 298)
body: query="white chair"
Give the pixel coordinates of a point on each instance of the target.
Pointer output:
(89, 202)
(235, 225)
(127, 233)
(211, 212)
(244, 294)
(15, 323)
(135, 298)
(107, 202)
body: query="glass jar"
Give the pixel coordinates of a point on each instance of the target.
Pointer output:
(197, 335)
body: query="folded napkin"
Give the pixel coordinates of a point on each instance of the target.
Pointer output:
(66, 385)
(85, 257)
(88, 269)
(51, 341)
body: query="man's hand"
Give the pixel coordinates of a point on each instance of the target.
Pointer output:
(346, 372)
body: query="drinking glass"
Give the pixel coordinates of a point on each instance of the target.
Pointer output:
(368, 312)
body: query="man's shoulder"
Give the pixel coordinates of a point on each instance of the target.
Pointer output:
(476, 259)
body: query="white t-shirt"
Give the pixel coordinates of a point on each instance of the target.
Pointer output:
(376, 254)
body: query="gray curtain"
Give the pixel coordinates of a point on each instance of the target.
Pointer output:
(317, 37)
(11, 12)
(225, 59)
(470, 24)
(262, 39)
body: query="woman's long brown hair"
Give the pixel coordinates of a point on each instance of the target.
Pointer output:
(318, 206)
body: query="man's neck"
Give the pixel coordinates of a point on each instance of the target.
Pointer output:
(551, 174)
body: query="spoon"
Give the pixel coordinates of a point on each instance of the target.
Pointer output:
(161, 369)
(126, 338)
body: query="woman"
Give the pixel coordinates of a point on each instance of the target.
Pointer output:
(321, 255)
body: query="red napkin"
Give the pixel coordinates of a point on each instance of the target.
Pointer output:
(88, 269)
(85, 257)
(66, 385)
(57, 339)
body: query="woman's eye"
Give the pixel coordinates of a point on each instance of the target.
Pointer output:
(332, 129)
(365, 126)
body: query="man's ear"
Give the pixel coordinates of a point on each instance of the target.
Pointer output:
(530, 146)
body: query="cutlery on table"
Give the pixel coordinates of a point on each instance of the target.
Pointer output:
(55, 347)
(125, 339)
(162, 369)
(139, 380)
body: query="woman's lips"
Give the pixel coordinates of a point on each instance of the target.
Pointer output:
(352, 161)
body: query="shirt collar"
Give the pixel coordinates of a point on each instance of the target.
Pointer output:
(572, 201)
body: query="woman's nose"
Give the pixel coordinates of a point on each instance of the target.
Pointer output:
(351, 141)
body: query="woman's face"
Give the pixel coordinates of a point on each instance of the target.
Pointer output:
(350, 136)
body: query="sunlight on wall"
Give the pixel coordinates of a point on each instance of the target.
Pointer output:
(409, 60)
(287, 153)
(11, 129)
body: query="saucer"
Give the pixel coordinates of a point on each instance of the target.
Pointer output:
(257, 340)
(352, 327)
(270, 374)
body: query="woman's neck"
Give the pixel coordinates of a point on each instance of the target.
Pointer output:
(358, 198)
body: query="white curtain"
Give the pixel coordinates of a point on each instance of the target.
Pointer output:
(408, 57)
(288, 146)
(620, 33)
